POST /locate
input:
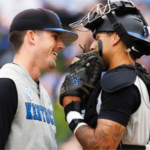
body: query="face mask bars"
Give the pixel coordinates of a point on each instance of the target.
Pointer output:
(100, 10)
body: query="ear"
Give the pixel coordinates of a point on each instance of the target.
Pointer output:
(115, 39)
(30, 37)
(148, 38)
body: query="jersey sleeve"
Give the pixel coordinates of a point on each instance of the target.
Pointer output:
(8, 107)
(120, 105)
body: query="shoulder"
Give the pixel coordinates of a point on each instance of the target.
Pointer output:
(11, 71)
(8, 94)
(7, 85)
(7, 82)
(117, 79)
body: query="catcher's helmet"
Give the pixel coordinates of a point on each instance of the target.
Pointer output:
(120, 16)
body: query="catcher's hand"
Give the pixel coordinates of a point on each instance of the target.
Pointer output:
(84, 73)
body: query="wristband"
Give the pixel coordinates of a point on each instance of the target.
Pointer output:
(79, 125)
(73, 115)
(75, 120)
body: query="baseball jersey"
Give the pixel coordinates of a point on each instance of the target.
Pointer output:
(33, 126)
(130, 107)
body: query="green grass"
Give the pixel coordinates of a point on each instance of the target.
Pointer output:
(62, 128)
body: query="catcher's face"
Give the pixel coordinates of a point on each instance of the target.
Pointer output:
(106, 47)
(49, 44)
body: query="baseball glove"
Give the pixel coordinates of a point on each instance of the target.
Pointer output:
(84, 73)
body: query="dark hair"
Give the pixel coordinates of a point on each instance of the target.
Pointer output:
(110, 33)
(16, 39)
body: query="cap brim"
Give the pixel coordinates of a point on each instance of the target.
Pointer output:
(135, 35)
(66, 36)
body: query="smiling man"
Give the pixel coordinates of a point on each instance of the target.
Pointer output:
(26, 114)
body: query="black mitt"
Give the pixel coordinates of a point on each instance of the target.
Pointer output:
(84, 73)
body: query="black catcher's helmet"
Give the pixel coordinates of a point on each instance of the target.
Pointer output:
(123, 17)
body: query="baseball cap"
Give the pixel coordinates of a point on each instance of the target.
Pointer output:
(41, 19)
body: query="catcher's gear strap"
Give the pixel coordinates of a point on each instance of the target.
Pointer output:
(144, 75)
(91, 115)
(118, 27)
(115, 81)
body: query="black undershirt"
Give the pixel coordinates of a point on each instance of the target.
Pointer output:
(120, 105)
(8, 107)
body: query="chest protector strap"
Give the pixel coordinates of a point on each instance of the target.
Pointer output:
(91, 115)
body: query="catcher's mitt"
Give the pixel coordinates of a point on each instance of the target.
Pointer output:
(84, 73)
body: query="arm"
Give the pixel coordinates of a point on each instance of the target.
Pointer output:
(115, 112)
(107, 135)
(8, 107)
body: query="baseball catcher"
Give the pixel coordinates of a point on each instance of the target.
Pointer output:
(117, 104)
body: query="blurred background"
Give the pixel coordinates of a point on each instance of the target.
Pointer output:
(69, 11)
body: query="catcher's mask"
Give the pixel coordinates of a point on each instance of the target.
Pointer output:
(122, 17)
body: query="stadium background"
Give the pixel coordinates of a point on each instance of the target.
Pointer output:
(69, 11)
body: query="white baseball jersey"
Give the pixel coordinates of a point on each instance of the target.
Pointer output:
(138, 127)
(33, 126)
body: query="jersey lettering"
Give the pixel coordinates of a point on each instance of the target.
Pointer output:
(51, 117)
(35, 112)
(43, 114)
(40, 113)
(47, 116)
(28, 108)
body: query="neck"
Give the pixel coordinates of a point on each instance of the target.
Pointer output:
(118, 60)
(29, 66)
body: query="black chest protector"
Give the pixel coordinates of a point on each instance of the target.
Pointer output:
(114, 80)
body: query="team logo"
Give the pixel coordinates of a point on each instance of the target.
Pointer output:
(133, 48)
(29, 93)
(76, 80)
